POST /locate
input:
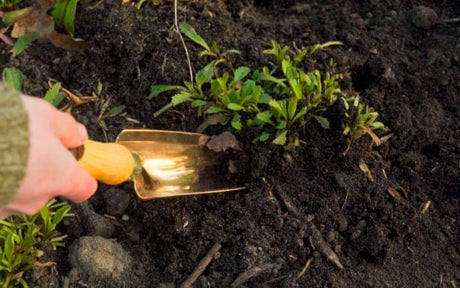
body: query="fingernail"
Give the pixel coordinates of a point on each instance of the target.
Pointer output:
(83, 132)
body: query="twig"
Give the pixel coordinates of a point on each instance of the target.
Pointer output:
(245, 276)
(201, 266)
(452, 20)
(288, 203)
(176, 27)
(323, 247)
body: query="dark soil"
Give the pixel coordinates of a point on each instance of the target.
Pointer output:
(404, 61)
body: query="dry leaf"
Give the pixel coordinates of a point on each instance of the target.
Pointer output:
(223, 141)
(395, 194)
(5, 38)
(38, 20)
(211, 120)
(365, 169)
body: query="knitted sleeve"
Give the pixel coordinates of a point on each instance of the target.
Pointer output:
(14, 142)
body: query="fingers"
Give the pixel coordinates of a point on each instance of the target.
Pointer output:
(42, 115)
(5, 213)
(83, 186)
(68, 130)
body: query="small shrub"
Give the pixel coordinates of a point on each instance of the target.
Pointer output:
(20, 236)
(277, 99)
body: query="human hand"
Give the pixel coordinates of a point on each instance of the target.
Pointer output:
(51, 169)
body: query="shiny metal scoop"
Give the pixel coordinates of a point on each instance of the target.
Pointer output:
(163, 164)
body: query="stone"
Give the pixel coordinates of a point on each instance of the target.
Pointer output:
(424, 17)
(100, 258)
(117, 201)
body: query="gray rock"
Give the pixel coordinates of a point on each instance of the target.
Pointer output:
(117, 201)
(424, 17)
(101, 259)
(96, 224)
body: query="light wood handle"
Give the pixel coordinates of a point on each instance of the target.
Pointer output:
(110, 163)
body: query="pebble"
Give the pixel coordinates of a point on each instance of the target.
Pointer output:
(424, 17)
(117, 201)
(101, 258)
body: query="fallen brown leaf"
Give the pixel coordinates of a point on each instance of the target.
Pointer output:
(394, 193)
(223, 141)
(38, 20)
(211, 120)
(365, 169)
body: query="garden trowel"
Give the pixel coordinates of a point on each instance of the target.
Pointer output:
(160, 163)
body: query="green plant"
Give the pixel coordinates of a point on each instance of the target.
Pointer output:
(54, 95)
(6, 4)
(209, 50)
(64, 15)
(20, 236)
(297, 96)
(13, 77)
(277, 100)
(363, 121)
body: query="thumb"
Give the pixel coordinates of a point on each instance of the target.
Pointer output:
(68, 130)
(83, 186)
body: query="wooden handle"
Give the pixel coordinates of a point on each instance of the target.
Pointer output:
(110, 163)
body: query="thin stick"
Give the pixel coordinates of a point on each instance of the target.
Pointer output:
(176, 27)
(253, 272)
(201, 266)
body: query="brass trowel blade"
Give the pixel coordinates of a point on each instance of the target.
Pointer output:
(173, 164)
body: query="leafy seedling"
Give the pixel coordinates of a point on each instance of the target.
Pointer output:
(363, 121)
(209, 50)
(54, 96)
(20, 236)
(64, 15)
(13, 77)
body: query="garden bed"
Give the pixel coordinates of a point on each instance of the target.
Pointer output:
(399, 229)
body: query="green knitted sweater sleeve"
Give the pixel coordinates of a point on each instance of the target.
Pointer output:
(14, 142)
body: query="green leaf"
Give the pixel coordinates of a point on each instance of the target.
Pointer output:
(247, 88)
(278, 107)
(60, 214)
(192, 35)
(214, 109)
(281, 125)
(235, 107)
(116, 110)
(23, 42)
(236, 122)
(280, 139)
(267, 77)
(198, 103)
(99, 88)
(265, 117)
(16, 15)
(180, 98)
(264, 136)
(239, 74)
(265, 98)
(64, 14)
(292, 107)
(13, 77)
(205, 74)
(324, 45)
(230, 51)
(9, 248)
(53, 95)
(299, 114)
(376, 125)
(322, 121)
(156, 90)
